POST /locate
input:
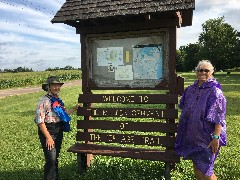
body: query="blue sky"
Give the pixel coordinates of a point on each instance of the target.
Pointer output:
(28, 38)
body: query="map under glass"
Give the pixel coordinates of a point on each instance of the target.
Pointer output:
(147, 61)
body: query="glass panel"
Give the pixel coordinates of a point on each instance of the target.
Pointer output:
(137, 60)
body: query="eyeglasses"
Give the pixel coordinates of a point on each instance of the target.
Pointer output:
(203, 70)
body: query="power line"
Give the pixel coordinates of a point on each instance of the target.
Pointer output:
(30, 27)
(31, 5)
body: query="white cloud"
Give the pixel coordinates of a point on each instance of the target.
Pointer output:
(205, 10)
(29, 39)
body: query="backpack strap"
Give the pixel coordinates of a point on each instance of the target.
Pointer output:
(53, 99)
(49, 97)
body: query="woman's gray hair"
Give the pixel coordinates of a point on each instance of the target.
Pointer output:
(205, 62)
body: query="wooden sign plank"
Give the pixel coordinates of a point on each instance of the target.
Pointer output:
(126, 152)
(128, 126)
(128, 112)
(129, 98)
(164, 141)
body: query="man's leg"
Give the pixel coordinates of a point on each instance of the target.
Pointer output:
(58, 144)
(50, 157)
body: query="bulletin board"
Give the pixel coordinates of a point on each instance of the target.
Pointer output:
(133, 60)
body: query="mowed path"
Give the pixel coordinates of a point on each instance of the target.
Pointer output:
(27, 90)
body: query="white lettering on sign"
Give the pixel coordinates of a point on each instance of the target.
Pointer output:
(123, 125)
(151, 140)
(104, 112)
(127, 113)
(120, 113)
(127, 139)
(110, 137)
(147, 113)
(95, 137)
(143, 98)
(95, 112)
(125, 99)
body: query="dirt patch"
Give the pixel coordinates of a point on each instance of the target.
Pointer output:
(27, 90)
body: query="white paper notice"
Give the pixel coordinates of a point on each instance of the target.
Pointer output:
(110, 55)
(124, 73)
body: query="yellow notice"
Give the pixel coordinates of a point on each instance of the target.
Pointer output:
(127, 56)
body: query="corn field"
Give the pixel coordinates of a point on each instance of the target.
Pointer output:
(23, 79)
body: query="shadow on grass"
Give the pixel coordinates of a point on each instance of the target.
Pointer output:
(107, 169)
(113, 168)
(21, 175)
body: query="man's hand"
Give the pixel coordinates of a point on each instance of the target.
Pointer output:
(49, 143)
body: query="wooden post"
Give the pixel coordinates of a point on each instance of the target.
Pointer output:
(167, 171)
(172, 87)
(84, 160)
(82, 165)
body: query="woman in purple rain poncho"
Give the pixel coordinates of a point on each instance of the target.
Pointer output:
(202, 126)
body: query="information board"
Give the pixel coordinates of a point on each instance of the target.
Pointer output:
(132, 61)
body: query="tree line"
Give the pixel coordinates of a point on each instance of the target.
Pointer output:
(218, 42)
(24, 69)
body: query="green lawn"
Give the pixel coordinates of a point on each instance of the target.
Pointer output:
(21, 157)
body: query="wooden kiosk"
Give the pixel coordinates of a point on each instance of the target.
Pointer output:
(128, 46)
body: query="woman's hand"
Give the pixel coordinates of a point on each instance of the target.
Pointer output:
(214, 144)
(49, 143)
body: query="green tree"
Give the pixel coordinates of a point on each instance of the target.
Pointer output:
(68, 68)
(179, 61)
(189, 56)
(218, 43)
(236, 58)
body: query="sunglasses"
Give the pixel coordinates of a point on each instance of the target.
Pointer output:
(203, 70)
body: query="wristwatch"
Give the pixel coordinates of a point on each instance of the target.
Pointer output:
(215, 136)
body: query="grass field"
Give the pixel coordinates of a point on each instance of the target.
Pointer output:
(21, 157)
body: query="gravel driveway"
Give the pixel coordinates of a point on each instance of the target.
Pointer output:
(27, 90)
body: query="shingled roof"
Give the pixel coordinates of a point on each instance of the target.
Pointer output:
(85, 11)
